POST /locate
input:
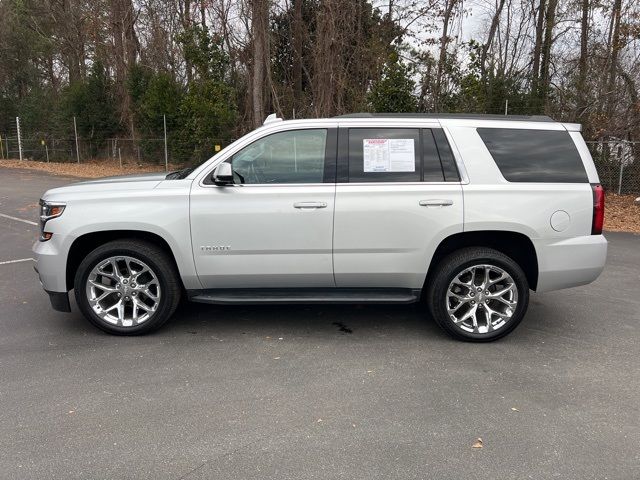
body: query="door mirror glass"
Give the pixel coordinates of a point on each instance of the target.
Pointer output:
(223, 174)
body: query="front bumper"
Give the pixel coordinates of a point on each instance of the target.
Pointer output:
(51, 266)
(59, 300)
(564, 263)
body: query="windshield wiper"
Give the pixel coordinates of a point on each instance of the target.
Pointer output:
(179, 174)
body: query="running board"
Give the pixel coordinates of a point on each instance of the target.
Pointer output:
(228, 296)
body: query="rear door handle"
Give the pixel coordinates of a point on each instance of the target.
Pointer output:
(436, 203)
(310, 205)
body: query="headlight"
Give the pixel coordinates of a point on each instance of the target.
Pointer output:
(49, 210)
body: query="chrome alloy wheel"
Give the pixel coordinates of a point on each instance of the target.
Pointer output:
(123, 291)
(481, 299)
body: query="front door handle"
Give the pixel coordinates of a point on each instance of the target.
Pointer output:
(436, 203)
(310, 205)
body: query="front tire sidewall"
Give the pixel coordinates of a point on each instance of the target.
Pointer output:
(165, 305)
(451, 269)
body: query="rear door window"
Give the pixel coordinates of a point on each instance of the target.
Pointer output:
(393, 155)
(384, 155)
(524, 155)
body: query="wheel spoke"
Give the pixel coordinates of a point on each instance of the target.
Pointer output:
(502, 276)
(116, 268)
(487, 272)
(500, 293)
(142, 305)
(135, 277)
(102, 287)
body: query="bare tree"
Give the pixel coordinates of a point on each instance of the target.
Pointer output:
(259, 26)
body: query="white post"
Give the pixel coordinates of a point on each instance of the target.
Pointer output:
(506, 107)
(120, 157)
(46, 149)
(19, 137)
(620, 178)
(166, 155)
(75, 130)
(1, 148)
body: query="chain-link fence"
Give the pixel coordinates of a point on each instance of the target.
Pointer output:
(125, 150)
(618, 165)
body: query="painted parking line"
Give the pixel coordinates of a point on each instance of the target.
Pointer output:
(6, 262)
(29, 222)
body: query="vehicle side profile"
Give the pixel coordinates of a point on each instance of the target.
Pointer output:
(465, 213)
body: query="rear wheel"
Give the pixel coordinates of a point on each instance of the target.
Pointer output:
(127, 287)
(478, 294)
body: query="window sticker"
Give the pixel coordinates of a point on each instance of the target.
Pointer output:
(388, 155)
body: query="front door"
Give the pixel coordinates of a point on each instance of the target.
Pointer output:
(274, 227)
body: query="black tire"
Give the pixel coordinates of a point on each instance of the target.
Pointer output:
(453, 265)
(156, 259)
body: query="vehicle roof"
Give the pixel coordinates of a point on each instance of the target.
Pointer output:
(445, 116)
(409, 120)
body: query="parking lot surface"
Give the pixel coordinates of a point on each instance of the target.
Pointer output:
(305, 392)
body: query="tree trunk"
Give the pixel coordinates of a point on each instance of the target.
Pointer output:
(297, 29)
(615, 48)
(442, 58)
(537, 49)
(125, 49)
(545, 70)
(492, 32)
(259, 25)
(582, 63)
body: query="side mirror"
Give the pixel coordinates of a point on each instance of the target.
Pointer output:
(223, 174)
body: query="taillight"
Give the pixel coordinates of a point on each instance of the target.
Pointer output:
(598, 210)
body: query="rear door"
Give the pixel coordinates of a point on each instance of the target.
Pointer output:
(396, 200)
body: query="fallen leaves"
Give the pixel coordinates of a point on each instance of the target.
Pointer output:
(89, 169)
(621, 213)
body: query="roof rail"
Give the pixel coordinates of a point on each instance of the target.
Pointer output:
(470, 116)
(273, 118)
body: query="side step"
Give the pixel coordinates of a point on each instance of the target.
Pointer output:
(255, 296)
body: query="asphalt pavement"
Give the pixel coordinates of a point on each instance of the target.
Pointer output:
(306, 392)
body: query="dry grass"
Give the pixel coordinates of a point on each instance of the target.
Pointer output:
(89, 169)
(621, 214)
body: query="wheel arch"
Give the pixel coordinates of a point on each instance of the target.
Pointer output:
(515, 245)
(84, 244)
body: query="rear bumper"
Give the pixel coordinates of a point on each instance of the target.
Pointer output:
(569, 262)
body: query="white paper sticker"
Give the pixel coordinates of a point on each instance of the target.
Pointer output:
(388, 155)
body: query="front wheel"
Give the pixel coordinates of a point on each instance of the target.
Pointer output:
(127, 287)
(478, 294)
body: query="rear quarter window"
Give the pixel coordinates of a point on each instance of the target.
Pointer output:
(534, 155)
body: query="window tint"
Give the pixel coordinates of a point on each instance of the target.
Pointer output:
(431, 167)
(296, 156)
(446, 156)
(534, 155)
(384, 155)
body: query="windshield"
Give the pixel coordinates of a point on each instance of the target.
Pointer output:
(185, 172)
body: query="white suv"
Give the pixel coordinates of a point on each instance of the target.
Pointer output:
(464, 212)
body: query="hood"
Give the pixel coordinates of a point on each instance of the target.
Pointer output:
(140, 177)
(107, 186)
